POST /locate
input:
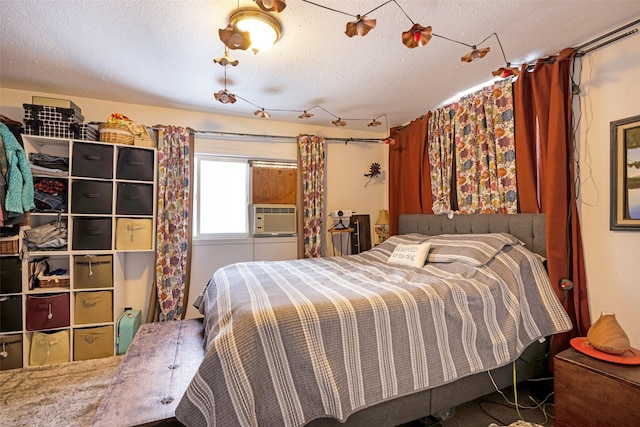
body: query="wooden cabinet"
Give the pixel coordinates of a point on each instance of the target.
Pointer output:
(108, 191)
(591, 392)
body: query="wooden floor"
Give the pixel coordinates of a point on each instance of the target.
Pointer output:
(153, 376)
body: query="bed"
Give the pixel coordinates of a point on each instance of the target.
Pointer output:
(357, 340)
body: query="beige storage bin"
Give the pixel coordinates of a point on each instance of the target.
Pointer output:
(93, 307)
(92, 271)
(49, 347)
(133, 234)
(93, 343)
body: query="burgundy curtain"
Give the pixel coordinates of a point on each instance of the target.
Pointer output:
(409, 180)
(545, 175)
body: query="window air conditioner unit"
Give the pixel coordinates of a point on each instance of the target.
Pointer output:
(273, 219)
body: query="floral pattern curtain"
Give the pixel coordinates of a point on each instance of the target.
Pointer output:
(173, 235)
(473, 140)
(441, 142)
(312, 167)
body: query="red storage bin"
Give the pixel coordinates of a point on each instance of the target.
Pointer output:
(47, 311)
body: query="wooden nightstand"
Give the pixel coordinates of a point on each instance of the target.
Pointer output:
(590, 392)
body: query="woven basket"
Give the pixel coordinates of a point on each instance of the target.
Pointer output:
(115, 134)
(9, 245)
(53, 282)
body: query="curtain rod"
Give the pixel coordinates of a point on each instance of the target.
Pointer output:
(604, 36)
(284, 137)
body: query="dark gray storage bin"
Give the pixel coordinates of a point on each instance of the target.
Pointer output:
(134, 199)
(10, 313)
(10, 275)
(91, 233)
(91, 197)
(135, 164)
(92, 160)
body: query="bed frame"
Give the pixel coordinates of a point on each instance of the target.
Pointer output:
(530, 229)
(155, 371)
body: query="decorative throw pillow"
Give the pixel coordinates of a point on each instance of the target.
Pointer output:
(472, 249)
(410, 255)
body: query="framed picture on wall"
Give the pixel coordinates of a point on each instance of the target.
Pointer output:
(625, 174)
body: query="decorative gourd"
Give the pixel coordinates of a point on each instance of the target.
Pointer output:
(607, 335)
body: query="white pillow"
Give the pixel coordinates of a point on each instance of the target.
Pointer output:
(410, 255)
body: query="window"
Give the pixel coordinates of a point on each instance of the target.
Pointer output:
(221, 197)
(225, 187)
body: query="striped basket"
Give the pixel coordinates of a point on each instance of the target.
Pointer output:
(115, 134)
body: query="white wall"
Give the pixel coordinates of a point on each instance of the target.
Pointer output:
(610, 91)
(345, 167)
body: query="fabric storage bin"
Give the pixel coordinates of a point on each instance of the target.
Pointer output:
(92, 160)
(134, 199)
(91, 197)
(135, 164)
(92, 271)
(93, 307)
(50, 113)
(91, 233)
(49, 347)
(10, 275)
(134, 234)
(10, 352)
(48, 311)
(10, 313)
(93, 343)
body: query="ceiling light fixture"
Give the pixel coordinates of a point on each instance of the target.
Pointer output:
(271, 5)
(262, 28)
(374, 123)
(305, 115)
(339, 122)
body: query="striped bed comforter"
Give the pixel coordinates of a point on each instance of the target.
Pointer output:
(291, 341)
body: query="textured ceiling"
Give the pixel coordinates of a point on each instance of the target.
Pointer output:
(161, 52)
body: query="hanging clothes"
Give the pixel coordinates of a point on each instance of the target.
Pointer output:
(19, 190)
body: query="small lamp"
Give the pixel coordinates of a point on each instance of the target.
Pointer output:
(381, 225)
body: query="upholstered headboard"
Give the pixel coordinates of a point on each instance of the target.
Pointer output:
(529, 228)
